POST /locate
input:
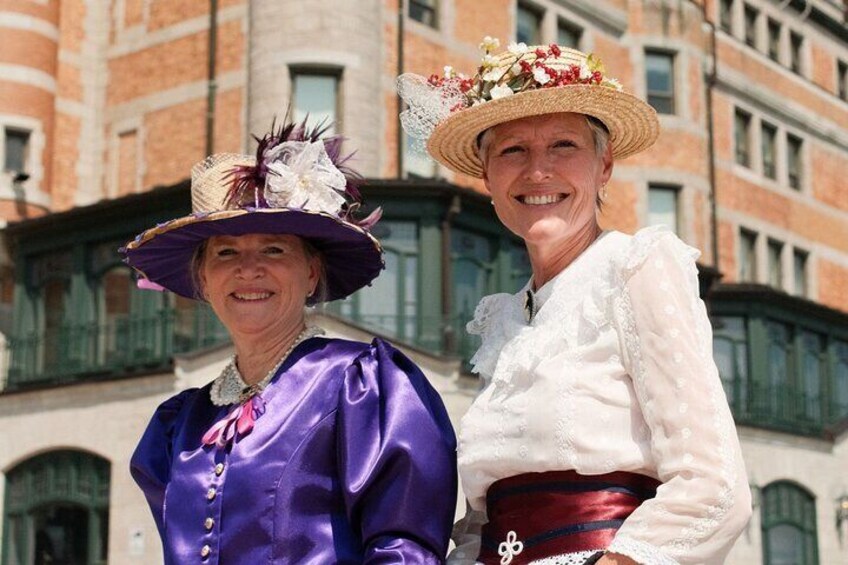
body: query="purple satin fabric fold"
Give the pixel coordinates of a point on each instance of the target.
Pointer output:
(353, 461)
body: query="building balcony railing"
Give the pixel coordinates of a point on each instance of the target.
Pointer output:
(124, 345)
(137, 344)
(770, 406)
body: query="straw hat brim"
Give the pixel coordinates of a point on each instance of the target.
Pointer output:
(633, 124)
(352, 256)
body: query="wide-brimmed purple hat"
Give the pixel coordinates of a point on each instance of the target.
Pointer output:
(298, 183)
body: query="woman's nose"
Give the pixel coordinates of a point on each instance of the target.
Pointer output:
(249, 266)
(538, 166)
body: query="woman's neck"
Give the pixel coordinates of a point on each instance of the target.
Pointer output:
(549, 259)
(256, 356)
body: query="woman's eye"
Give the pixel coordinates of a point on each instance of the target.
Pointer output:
(564, 143)
(511, 149)
(225, 252)
(274, 250)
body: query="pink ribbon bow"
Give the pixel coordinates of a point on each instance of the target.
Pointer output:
(237, 424)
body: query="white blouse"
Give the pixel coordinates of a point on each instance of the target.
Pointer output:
(614, 373)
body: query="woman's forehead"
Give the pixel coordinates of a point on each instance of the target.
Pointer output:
(566, 122)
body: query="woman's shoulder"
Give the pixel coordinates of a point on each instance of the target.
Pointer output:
(656, 243)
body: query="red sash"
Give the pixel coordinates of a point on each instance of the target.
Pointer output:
(538, 515)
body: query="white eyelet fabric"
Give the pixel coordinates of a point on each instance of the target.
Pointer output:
(615, 373)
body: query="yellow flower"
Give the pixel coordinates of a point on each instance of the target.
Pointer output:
(489, 44)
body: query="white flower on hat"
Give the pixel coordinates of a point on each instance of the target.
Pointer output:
(585, 71)
(613, 83)
(449, 72)
(489, 61)
(517, 48)
(489, 44)
(541, 76)
(302, 175)
(500, 91)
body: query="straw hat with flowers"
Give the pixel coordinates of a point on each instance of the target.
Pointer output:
(451, 112)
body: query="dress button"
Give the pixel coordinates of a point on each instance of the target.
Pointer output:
(205, 551)
(210, 494)
(219, 468)
(209, 523)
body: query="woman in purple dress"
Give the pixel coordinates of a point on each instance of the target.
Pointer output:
(304, 449)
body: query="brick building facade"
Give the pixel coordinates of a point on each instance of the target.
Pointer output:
(105, 105)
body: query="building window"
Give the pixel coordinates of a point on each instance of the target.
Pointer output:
(568, 34)
(57, 509)
(390, 304)
(730, 350)
(725, 15)
(768, 141)
(659, 67)
(423, 11)
(839, 396)
(842, 80)
(773, 40)
(663, 206)
(796, 44)
(127, 162)
(794, 147)
(747, 256)
(316, 95)
(16, 149)
(799, 271)
(528, 24)
(775, 263)
(742, 135)
(789, 525)
(751, 16)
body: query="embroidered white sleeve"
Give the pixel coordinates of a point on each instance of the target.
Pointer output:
(704, 502)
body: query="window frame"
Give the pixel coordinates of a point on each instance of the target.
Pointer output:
(746, 120)
(751, 17)
(773, 50)
(796, 52)
(8, 132)
(774, 255)
(666, 188)
(538, 12)
(570, 27)
(425, 7)
(794, 156)
(725, 15)
(783, 493)
(337, 74)
(665, 96)
(842, 80)
(768, 133)
(752, 237)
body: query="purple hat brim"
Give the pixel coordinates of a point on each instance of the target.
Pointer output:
(352, 256)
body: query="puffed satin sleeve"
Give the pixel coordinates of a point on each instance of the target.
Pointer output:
(150, 465)
(397, 459)
(704, 502)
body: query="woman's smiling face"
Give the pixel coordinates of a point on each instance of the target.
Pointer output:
(544, 174)
(258, 283)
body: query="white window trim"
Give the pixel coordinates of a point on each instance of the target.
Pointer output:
(33, 187)
(129, 125)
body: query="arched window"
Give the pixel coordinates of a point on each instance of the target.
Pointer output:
(789, 525)
(57, 510)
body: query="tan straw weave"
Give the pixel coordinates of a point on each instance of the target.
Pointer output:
(633, 124)
(210, 180)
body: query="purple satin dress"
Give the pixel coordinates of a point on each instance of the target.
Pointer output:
(353, 461)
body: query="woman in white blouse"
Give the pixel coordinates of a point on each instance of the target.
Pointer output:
(602, 434)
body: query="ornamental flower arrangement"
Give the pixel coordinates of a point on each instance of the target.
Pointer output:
(296, 167)
(522, 68)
